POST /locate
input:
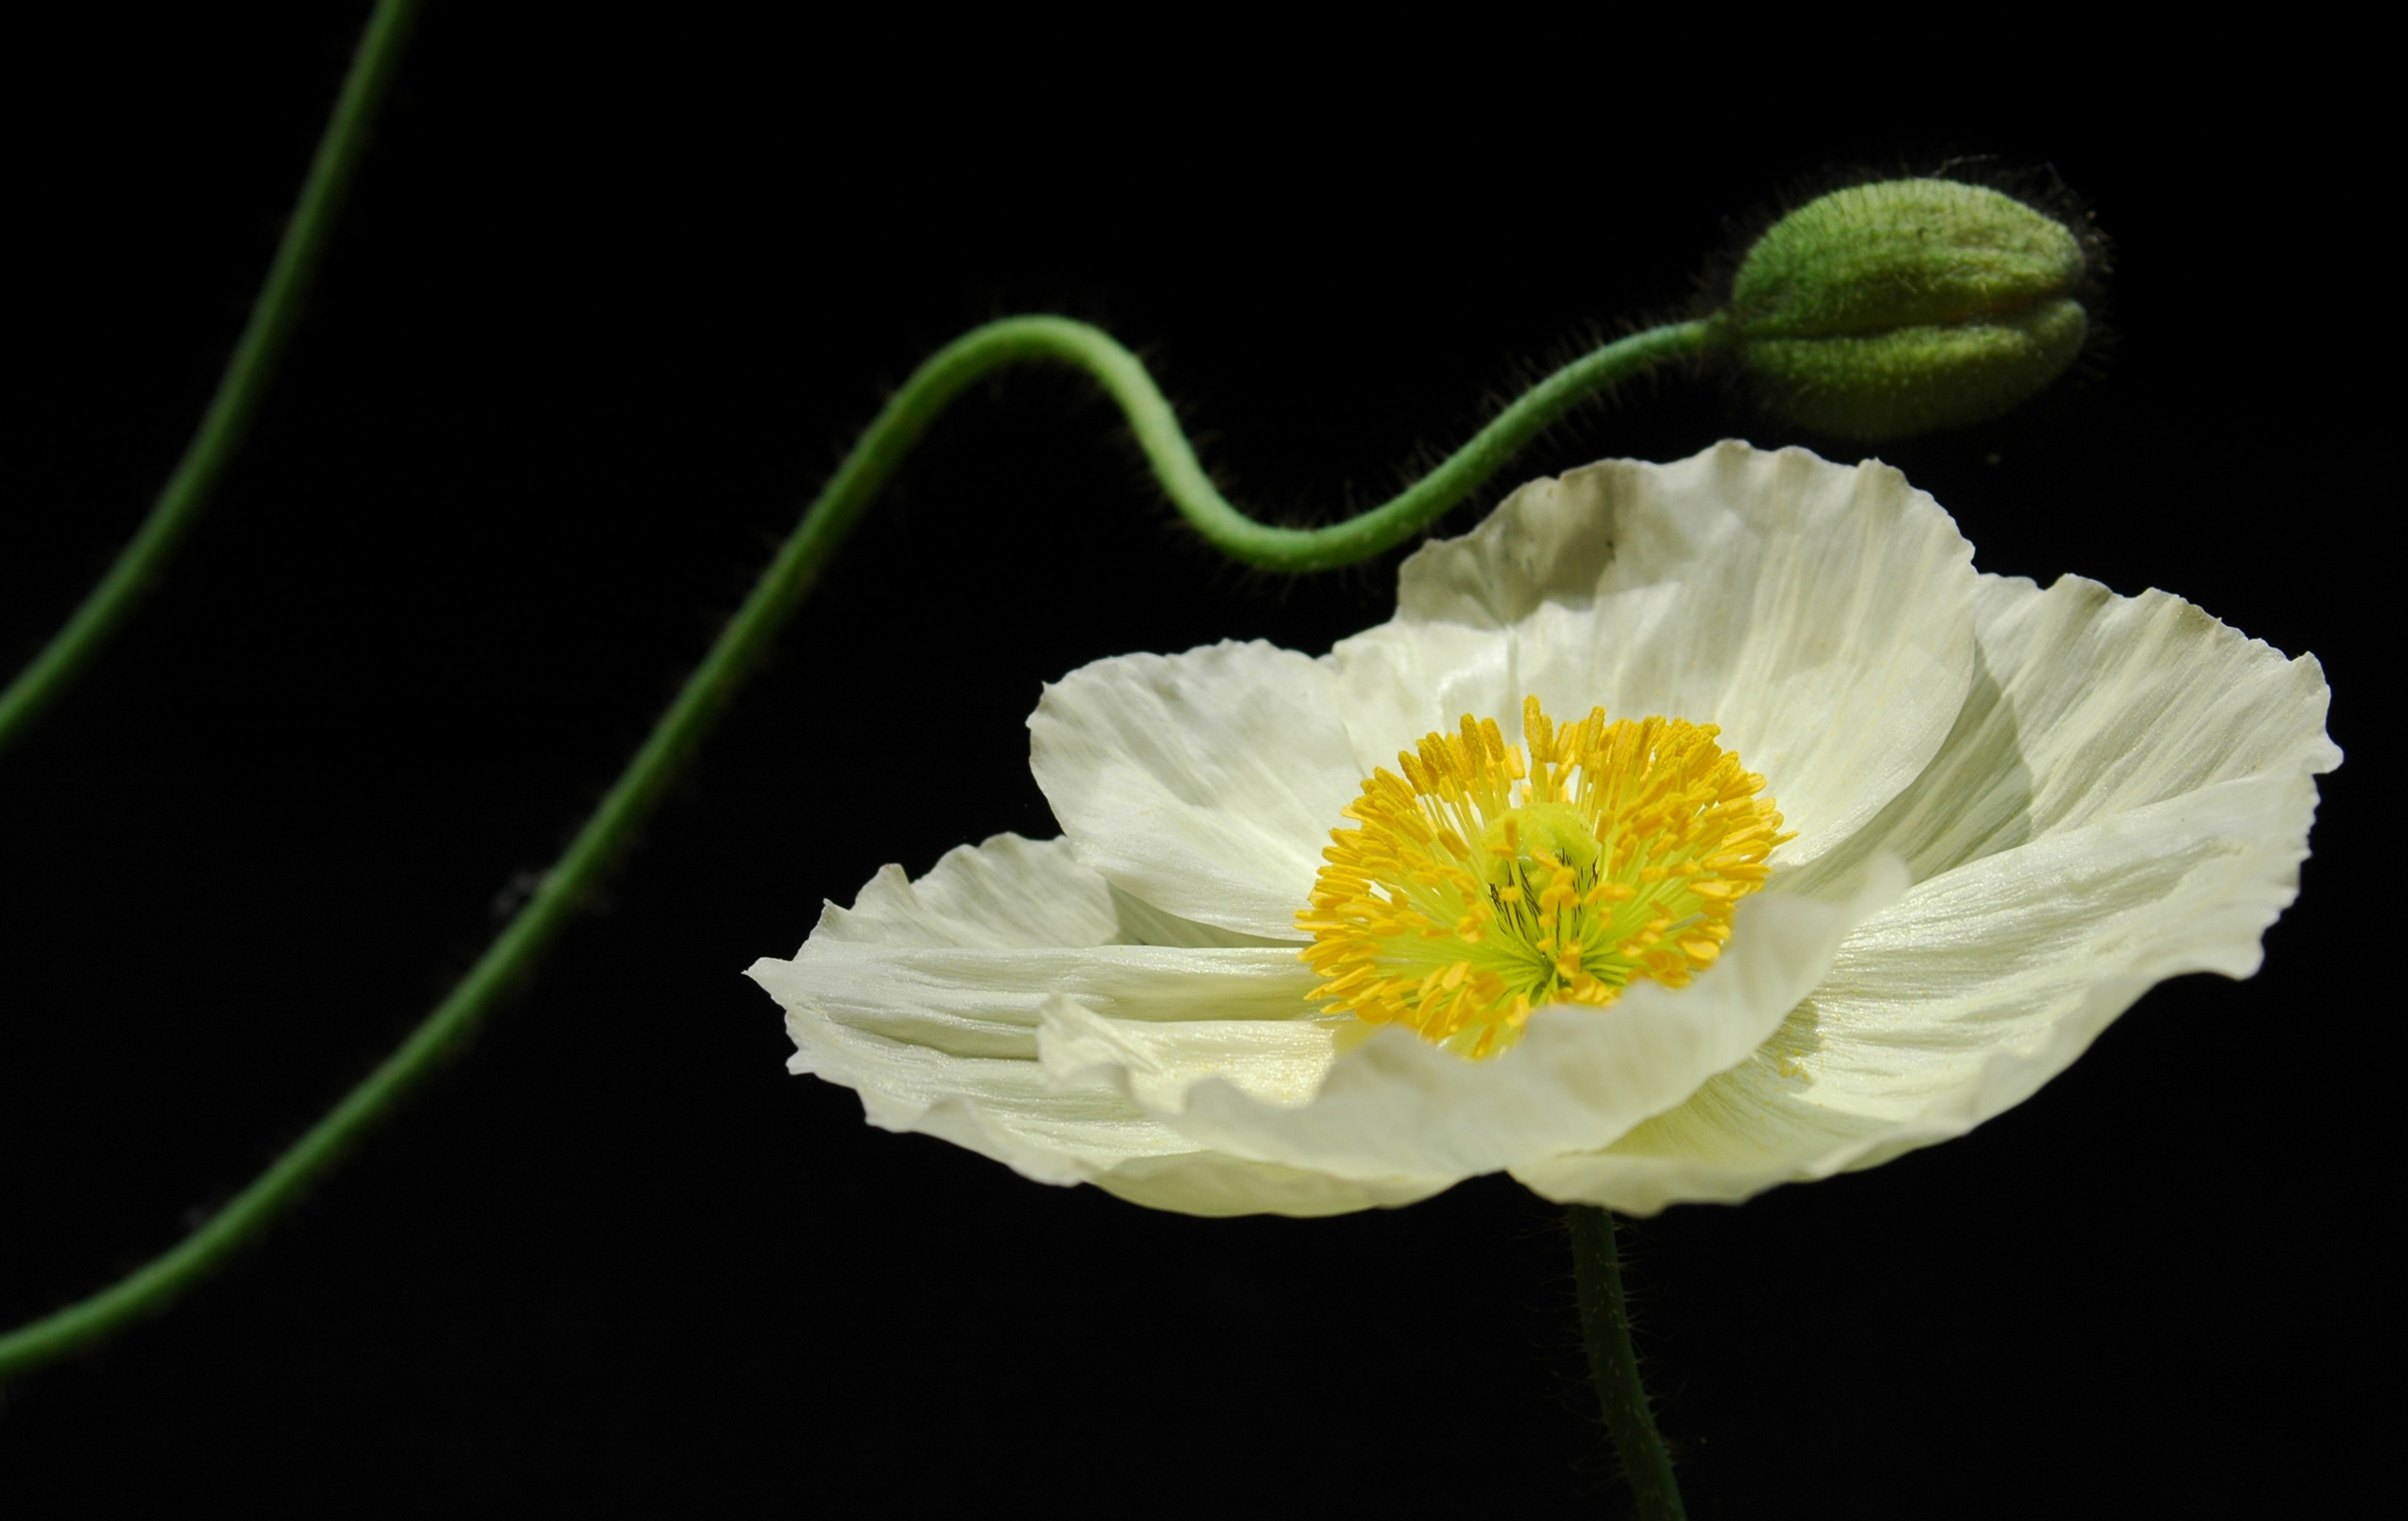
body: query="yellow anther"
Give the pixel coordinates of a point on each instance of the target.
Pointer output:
(1422, 912)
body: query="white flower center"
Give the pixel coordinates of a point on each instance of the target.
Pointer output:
(1476, 888)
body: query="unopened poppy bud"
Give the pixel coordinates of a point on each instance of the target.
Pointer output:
(1897, 307)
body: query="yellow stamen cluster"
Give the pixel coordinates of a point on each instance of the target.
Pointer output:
(1477, 887)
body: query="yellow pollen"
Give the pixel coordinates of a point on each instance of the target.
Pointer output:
(1482, 885)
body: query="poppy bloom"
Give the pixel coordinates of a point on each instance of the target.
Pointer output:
(1691, 829)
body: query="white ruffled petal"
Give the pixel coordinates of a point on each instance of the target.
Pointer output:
(1398, 1107)
(1005, 892)
(926, 998)
(986, 1002)
(1203, 784)
(2161, 848)
(1280, 1062)
(2084, 702)
(1214, 1184)
(1821, 615)
(1004, 1110)
(1079, 1131)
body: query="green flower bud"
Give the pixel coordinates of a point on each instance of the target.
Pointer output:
(1897, 307)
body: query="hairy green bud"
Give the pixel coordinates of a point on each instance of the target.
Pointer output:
(1897, 307)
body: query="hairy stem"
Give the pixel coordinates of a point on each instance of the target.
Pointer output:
(1613, 1363)
(1059, 340)
(239, 390)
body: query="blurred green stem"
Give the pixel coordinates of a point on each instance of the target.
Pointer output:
(239, 390)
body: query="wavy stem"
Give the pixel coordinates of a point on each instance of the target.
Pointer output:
(1613, 1364)
(1018, 340)
(247, 372)
(781, 587)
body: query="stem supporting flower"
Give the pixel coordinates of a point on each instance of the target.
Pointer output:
(1613, 1365)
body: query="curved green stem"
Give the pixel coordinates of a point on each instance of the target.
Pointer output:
(782, 585)
(239, 389)
(1018, 340)
(1613, 1364)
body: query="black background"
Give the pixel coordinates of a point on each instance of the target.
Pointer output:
(607, 304)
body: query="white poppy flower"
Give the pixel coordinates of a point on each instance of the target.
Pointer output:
(1246, 979)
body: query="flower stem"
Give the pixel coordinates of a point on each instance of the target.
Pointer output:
(1606, 1328)
(781, 587)
(239, 390)
(930, 388)
(1060, 340)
